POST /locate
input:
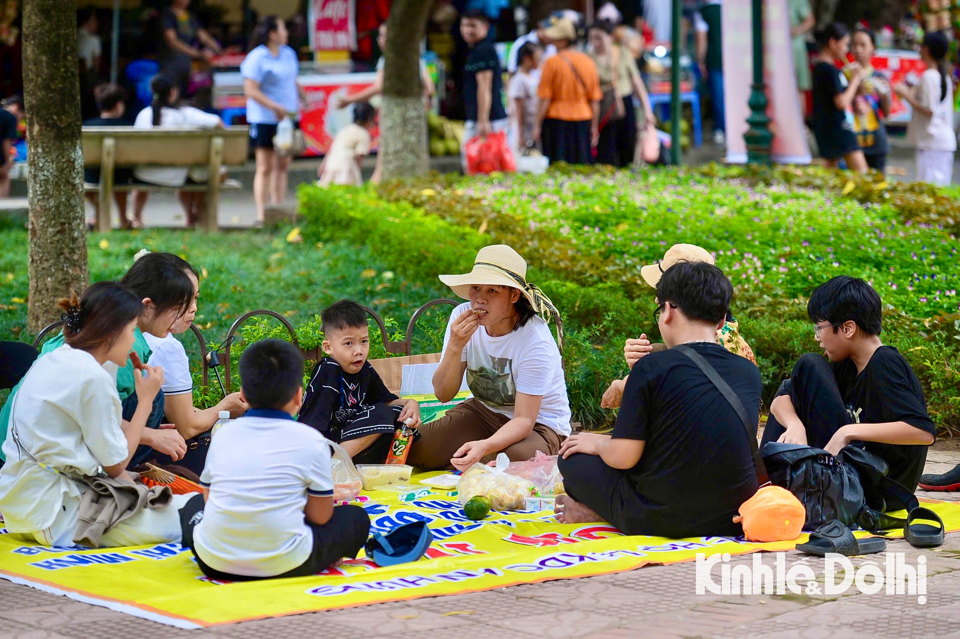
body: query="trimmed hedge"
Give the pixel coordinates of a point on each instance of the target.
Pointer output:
(585, 233)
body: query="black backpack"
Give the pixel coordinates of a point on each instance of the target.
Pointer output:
(852, 487)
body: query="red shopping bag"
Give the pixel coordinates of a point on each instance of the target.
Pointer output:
(489, 154)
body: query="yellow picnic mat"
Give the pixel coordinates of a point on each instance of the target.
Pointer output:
(163, 583)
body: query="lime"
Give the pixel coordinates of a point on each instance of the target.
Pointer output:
(477, 508)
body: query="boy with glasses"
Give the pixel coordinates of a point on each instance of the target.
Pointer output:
(866, 392)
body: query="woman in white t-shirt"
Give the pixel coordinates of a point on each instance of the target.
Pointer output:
(164, 112)
(513, 368)
(523, 99)
(65, 422)
(168, 352)
(931, 123)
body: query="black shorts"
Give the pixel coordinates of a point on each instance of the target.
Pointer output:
(834, 144)
(261, 135)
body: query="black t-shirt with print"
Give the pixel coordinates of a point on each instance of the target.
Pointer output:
(331, 390)
(186, 32)
(887, 390)
(697, 465)
(483, 57)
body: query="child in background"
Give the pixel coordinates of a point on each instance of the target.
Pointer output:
(833, 97)
(342, 163)
(931, 123)
(346, 400)
(523, 99)
(872, 103)
(267, 504)
(112, 104)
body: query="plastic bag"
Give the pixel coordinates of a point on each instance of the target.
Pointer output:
(346, 477)
(542, 471)
(283, 139)
(489, 154)
(505, 491)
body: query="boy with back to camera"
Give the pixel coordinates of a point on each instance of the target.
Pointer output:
(267, 505)
(346, 400)
(866, 392)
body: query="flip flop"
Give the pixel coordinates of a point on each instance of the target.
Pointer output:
(403, 544)
(834, 537)
(923, 535)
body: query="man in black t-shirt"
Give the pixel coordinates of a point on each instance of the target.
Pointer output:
(867, 393)
(184, 40)
(8, 136)
(482, 80)
(679, 462)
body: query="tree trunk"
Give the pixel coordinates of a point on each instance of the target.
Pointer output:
(403, 118)
(58, 240)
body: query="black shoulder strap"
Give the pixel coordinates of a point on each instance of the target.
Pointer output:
(729, 394)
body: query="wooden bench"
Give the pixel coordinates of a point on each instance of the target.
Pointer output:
(108, 148)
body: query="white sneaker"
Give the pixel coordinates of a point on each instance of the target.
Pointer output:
(719, 138)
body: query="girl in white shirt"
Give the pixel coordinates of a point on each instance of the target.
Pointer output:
(66, 422)
(164, 112)
(168, 352)
(522, 93)
(931, 123)
(341, 165)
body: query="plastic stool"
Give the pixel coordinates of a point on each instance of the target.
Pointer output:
(662, 100)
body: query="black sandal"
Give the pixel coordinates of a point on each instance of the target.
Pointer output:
(834, 537)
(923, 535)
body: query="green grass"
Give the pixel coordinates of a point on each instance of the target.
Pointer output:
(240, 272)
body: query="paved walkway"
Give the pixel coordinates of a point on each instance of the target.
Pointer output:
(657, 601)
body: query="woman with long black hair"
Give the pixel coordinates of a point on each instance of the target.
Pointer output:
(270, 86)
(931, 123)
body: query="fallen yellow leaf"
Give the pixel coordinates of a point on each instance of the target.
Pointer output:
(428, 192)
(203, 273)
(18, 300)
(368, 273)
(881, 186)
(458, 612)
(387, 275)
(9, 277)
(104, 244)
(848, 189)
(294, 236)
(408, 617)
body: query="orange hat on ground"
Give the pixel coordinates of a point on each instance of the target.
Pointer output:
(773, 514)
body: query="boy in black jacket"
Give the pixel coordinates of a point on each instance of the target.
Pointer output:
(346, 400)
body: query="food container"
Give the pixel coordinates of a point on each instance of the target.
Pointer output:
(375, 476)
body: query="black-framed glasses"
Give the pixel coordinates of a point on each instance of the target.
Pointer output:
(659, 309)
(817, 328)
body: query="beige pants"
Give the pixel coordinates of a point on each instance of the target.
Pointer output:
(471, 421)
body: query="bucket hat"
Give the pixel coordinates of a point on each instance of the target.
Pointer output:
(500, 265)
(676, 253)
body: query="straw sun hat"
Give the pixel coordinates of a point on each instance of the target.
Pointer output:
(676, 253)
(500, 265)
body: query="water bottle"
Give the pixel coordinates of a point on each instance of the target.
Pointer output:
(224, 417)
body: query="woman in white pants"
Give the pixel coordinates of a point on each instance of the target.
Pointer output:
(931, 124)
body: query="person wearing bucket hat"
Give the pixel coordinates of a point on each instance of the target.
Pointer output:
(512, 365)
(728, 335)
(679, 462)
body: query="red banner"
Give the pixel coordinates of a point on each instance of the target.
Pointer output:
(332, 25)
